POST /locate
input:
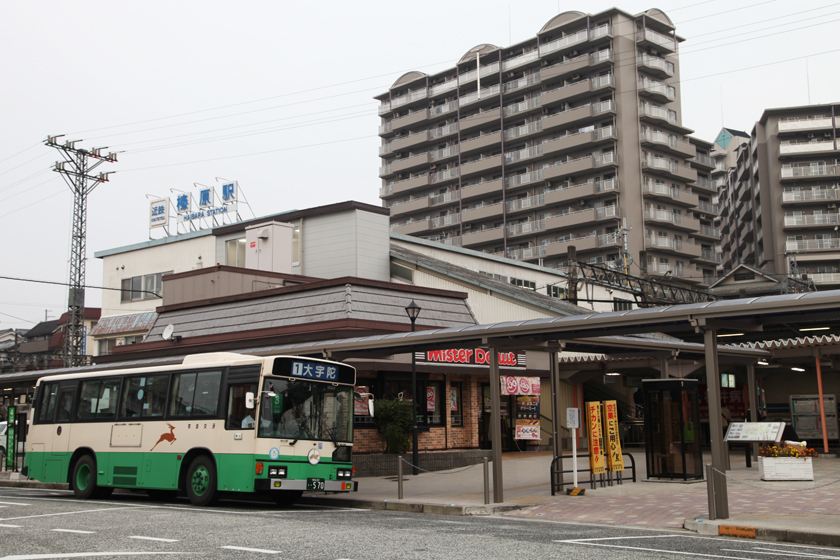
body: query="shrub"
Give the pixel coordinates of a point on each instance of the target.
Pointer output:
(393, 418)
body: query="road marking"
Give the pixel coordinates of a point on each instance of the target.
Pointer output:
(13, 504)
(12, 526)
(82, 555)
(153, 539)
(665, 551)
(249, 549)
(68, 513)
(74, 531)
(788, 553)
(618, 538)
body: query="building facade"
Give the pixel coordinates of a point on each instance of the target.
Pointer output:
(781, 197)
(571, 138)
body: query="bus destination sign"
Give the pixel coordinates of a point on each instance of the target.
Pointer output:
(314, 370)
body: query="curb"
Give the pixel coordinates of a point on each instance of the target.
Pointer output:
(410, 507)
(6, 483)
(712, 528)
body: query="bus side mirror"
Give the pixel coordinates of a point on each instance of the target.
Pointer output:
(370, 404)
(249, 400)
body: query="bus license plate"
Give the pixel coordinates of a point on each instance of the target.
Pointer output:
(315, 484)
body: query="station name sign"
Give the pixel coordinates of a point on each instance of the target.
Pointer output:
(470, 357)
(188, 208)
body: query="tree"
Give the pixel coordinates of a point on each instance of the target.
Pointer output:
(393, 418)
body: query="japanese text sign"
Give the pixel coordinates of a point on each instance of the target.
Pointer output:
(596, 438)
(615, 462)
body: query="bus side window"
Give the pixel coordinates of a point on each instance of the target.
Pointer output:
(66, 397)
(183, 392)
(89, 399)
(46, 409)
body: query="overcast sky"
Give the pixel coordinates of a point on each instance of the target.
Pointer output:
(278, 95)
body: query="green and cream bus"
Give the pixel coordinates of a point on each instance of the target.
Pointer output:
(215, 423)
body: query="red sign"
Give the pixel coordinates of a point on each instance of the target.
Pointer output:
(430, 399)
(253, 244)
(471, 356)
(513, 385)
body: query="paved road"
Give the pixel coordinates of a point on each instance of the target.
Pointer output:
(42, 524)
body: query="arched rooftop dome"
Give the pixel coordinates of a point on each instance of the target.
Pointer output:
(660, 15)
(480, 49)
(408, 77)
(561, 19)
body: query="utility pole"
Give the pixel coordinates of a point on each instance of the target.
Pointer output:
(76, 172)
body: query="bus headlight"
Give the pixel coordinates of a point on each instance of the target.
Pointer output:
(344, 474)
(277, 471)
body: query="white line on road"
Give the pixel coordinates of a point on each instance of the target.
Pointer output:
(249, 550)
(12, 526)
(13, 504)
(153, 539)
(787, 553)
(68, 513)
(74, 531)
(664, 551)
(584, 541)
(82, 555)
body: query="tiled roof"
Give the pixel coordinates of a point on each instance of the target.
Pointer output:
(43, 328)
(119, 324)
(330, 303)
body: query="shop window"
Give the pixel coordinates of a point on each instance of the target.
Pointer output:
(456, 410)
(430, 410)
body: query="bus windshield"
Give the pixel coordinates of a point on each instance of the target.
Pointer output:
(297, 409)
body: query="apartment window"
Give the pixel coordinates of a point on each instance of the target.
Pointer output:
(555, 291)
(235, 252)
(523, 283)
(139, 288)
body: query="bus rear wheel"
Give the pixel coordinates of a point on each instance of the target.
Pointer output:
(286, 498)
(84, 478)
(201, 482)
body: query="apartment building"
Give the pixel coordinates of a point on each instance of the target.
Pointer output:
(782, 196)
(571, 138)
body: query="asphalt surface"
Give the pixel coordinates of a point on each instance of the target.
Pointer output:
(42, 524)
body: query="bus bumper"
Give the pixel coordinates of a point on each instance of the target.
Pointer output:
(262, 484)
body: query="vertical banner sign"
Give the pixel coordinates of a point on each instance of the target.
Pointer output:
(10, 439)
(596, 438)
(527, 392)
(360, 402)
(431, 397)
(615, 462)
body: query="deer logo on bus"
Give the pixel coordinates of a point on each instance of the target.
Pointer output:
(170, 437)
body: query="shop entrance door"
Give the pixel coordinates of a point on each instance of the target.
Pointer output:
(484, 426)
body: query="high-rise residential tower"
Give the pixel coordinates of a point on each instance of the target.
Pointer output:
(573, 137)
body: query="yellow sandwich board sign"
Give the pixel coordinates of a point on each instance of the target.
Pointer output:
(615, 462)
(596, 438)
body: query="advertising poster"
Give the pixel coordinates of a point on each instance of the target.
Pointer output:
(596, 438)
(527, 417)
(360, 401)
(430, 399)
(615, 462)
(10, 439)
(453, 399)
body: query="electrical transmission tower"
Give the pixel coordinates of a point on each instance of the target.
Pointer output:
(76, 170)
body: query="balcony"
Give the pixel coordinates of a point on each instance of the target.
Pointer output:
(581, 244)
(520, 60)
(669, 143)
(649, 38)
(484, 118)
(666, 192)
(671, 245)
(657, 91)
(409, 206)
(812, 244)
(670, 169)
(467, 77)
(816, 171)
(581, 191)
(826, 277)
(525, 153)
(402, 143)
(411, 228)
(658, 114)
(444, 198)
(513, 181)
(522, 83)
(410, 119)
(481, 166)
(443, 154)
(581, 217)
(403, 186)
(491, 235)
(485, 93)
(443, 131)
(710, 255)
(571, 167)
(443, 175)
(704, 161)
(484, 212)
(708, 231)
(443, 109)
(656, 65)
(524, 130)
(525, 204)
(812, 123)
(563, 42)
(577, 90)
(481, 142)
(708, 207)
(410, 163)
(813, 147)
(523, 107)
(481, 189)
(679, 221)
(812, 220)
(809, 196)
(444, 221)
(532, 226)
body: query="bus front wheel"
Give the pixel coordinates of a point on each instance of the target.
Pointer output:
(201, 482)
(84, 478)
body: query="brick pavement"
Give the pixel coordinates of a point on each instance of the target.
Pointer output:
(670, 509)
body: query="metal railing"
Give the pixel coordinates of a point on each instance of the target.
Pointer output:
(556, 476)
(656, 62)
(805, 124)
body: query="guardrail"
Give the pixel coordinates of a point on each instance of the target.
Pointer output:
(558, 482)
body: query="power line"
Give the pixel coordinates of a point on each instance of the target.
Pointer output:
(726, 12)
(18, 318)
(32, 280)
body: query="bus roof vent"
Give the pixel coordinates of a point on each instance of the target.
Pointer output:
(209, 358)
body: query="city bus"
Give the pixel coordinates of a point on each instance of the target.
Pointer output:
(215, 423)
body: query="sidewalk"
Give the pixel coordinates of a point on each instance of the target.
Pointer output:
(801, 512)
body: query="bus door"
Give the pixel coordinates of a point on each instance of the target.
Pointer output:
(57, 460)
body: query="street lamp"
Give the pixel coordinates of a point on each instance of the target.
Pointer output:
(413, 310)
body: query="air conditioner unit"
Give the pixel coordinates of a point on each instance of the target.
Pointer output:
(827, 135)
(510, 75)
(810, 135)
(544, 62)
(576, 77)
(832, 205)
(582, 203)
(574, 53)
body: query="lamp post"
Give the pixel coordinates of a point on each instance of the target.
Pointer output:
(413, 310)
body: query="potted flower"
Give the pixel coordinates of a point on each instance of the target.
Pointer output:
(786, 462)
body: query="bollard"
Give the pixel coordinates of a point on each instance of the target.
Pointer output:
(399, 477)
(710, 487)
(486, 481)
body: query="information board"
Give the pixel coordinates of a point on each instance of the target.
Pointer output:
(755, 432)
(807, 421)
